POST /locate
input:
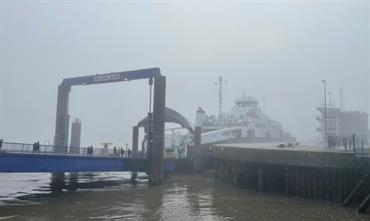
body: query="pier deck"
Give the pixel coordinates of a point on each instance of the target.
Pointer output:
(299, 155)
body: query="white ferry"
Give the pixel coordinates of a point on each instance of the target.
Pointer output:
(245, 120)
(244, 123)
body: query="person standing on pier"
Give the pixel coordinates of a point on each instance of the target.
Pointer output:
(122, 152)
(1, 143)
(90, 150)
(36, 147)
(115, 151)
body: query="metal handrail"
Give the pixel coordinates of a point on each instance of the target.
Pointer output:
(24, 148)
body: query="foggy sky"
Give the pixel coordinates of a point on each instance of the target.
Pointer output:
(280, 50)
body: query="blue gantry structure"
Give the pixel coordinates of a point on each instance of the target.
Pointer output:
(63, 158)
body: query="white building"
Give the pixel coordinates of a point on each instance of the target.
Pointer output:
(340, 125)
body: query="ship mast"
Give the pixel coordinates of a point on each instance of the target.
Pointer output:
(219, 84)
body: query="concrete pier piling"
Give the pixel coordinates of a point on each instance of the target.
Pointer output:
(135, 141)
(197, 149)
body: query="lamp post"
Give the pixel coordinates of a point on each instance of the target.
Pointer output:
(325, 137)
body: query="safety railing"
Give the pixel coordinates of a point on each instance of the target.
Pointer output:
(43, 149)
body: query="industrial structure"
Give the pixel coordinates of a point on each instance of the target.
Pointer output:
(339, 126)
(156, 128)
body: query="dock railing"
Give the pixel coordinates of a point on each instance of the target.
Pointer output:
(25, 148)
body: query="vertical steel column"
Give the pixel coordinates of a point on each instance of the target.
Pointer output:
(197, 149)
(156, 153)
(135, 146)
(62, 119)
(135, 141)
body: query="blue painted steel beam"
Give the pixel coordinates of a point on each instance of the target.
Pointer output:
(12, 162)
(58, 163)
(113, 77)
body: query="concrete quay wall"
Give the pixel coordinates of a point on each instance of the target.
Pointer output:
(292, 171)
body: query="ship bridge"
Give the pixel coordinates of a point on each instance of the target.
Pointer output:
(245, 101)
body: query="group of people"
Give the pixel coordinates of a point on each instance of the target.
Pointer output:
(36, 147)
(116, 151)
(121, 152)
(90, 150)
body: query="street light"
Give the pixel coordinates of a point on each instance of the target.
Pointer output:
(325, 137)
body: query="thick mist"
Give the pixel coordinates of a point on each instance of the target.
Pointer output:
(277, 50)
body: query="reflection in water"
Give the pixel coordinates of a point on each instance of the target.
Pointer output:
(112, 196)
(152, 202)
(73, 182)
(57, 183)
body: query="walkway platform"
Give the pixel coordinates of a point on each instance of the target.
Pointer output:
(15, 157)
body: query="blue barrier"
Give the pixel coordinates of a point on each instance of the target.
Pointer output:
(169, 165)
(10, 162)
(15, 162)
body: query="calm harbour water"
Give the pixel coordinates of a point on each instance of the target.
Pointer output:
(111, 196)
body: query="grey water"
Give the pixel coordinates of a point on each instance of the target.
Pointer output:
(112, 196)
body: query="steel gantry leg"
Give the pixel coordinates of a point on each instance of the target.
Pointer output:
(62, 120)
(156, 165)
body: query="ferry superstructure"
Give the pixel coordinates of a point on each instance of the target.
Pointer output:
(248, 121)
(244, 123)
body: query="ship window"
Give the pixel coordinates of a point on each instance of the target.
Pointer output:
(260, 125)
(226, 133)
